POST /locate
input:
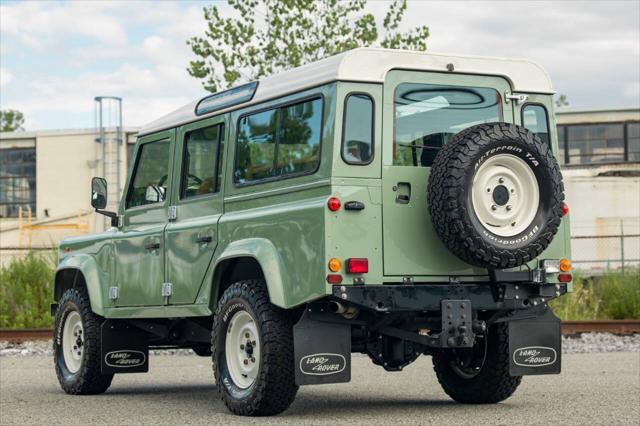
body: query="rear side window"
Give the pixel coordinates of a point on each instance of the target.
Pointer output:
(534, 118)
(150, 177)
(279, 143)
(427, 116)
(199, 162)
(357, 133)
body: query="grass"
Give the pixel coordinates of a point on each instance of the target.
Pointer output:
(611, 296)
(26, 285)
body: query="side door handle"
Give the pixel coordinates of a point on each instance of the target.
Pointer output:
(204, 239)
(152, 246)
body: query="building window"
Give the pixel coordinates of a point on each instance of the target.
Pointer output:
(561, 144)
(427, 116)
(17, 181)
(595, 143)
(357, 136)
(633, 141)
(279, 143)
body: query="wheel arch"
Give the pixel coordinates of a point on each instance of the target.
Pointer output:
(255, 258)
(77, 271)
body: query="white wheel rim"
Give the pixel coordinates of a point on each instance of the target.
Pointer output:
(73, 342)
(505, 195)
(242, 349)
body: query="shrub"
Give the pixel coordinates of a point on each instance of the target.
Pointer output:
(613, 295)
(25, 291)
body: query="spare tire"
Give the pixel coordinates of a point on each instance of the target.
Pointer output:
(495, 195)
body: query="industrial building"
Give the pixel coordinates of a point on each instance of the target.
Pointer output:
(45, 178)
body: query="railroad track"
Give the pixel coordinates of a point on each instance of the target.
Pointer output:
(569, 328)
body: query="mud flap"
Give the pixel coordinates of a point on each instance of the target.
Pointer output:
(535, 345)
(124, 348)
(322, 352)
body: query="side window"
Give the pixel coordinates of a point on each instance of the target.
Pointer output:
(357, 132)
(256, 146)
(427, 116)
(151, 175)
(534, 118)
(199, 162)
(279, 143)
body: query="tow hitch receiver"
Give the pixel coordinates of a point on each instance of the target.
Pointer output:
(535, 345)
(456, 324)
(322, 352)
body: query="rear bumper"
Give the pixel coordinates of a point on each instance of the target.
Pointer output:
(427, 297)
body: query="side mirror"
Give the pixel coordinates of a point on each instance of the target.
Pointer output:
(98, 193)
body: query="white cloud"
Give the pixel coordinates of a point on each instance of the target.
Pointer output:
(5, 77)
(65, 53)
(41, 25)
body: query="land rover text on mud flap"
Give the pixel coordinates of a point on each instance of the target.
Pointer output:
(382, 202)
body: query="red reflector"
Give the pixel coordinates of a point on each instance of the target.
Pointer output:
(333, 204)
(357, 266)
(334, 278)
(564, 278)
(565, 209)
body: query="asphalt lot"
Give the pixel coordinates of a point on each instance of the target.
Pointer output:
(599, 388)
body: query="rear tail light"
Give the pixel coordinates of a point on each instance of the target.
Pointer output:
(565, 209)
(565, 265)
(335, 265)
(334, 278)
(333, 204)
(564, 278)
(357, 266)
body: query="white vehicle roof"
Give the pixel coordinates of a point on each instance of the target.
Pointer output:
(371, 65)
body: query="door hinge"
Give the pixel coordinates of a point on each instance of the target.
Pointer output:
(167, 289)
(518, 99)
(172, 212)
(113, 293)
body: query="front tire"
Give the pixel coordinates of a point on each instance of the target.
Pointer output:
(76, 346)
(483, 377)
(253, 359)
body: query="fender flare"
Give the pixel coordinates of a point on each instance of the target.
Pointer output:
(96, 280)
(266, 254)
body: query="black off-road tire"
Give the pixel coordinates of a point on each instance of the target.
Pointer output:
(491, 384)
(274, 389)
(450, 204)
(88, 380)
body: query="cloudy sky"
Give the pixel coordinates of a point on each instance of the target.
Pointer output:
(56, 56)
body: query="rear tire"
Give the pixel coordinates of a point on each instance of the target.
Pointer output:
(489, 382)
(76, 345)
(253, 359)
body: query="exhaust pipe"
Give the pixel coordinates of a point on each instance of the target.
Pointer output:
(349, 312)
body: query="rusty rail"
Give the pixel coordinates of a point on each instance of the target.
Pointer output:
(568, 328)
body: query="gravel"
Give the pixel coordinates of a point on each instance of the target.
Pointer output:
(585, 343)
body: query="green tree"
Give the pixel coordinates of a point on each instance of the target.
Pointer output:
(268, 36)
(11, 120)
(561, 100)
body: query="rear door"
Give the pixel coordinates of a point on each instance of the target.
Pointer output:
(192, 235)
(426, 110)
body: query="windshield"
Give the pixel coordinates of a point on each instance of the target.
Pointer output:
(428, 115)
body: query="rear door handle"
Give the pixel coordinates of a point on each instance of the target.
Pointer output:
(403, 192)
(152, 246)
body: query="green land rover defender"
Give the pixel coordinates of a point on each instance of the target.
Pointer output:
(379, 202)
